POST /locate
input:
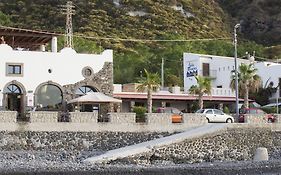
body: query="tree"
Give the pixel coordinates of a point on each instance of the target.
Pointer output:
(4, 19)
(150, 83)
(248, 80)
(203, 87)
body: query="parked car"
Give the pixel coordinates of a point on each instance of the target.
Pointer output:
(270, 118)
(175, 113)
(215, 115)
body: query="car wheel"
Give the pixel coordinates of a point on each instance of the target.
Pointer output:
(269, 120)
(208, 120)
(228, 120)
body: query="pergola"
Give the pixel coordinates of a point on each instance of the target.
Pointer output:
(24, 38)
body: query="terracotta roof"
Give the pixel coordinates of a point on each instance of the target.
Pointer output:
(180, 97)
(24, 38)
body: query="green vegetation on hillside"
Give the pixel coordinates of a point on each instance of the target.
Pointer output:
(103, 24)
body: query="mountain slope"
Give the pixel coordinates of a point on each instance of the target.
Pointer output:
(104, 22)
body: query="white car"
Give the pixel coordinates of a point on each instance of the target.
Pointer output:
(215, 115)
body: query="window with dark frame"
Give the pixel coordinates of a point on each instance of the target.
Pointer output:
(14, 69)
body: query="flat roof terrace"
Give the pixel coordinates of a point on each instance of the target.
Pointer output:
(25, 38)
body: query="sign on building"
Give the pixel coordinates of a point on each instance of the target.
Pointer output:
(191, 70)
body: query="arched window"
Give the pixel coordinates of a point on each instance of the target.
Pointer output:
(49, 97)
(84, 90)
(12, 89)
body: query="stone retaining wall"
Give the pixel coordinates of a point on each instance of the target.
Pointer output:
(8, 116)
(129, 118)
(255, 119)
(235, 144)
(44, 117)
(122, 122)
(72, 141)
(83, 117)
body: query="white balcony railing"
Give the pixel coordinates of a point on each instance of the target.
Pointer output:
(226, 92)
(212, 73)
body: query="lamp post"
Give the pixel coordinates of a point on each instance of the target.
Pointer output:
(236, 73)
(277, 98)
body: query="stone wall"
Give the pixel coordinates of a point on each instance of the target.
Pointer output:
(234, 144)
(102, 81)
(255, 119)
(83, 117)
(43, 117)
(8, 116)
(121, 122)
(129, 118)
(72, 141)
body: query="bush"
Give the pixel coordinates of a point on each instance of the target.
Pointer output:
(226, 110)
(140, 113)
(270, 110)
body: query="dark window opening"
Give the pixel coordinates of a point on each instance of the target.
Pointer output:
(206, 69)
(14, 69)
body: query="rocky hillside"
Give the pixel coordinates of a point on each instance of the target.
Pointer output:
(260, 19)
(102, 22)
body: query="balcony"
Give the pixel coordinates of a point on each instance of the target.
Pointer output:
(226, 92)
(210, 73)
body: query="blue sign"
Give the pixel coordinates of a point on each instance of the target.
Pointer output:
(191, 70)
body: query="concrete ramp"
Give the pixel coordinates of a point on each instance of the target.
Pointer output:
(149, 145)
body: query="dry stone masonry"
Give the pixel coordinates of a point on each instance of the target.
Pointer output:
(235, 144)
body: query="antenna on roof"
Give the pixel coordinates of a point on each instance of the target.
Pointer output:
(68, 9)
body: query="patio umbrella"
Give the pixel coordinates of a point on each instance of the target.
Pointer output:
(95, 97)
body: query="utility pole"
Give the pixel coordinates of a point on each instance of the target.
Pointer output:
(236, 73)
(277, 98)
(68, 9)
(162, 74)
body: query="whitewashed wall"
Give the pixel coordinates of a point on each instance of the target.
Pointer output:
(220, 69)
(66, 66)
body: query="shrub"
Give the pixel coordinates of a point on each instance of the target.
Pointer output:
(226, 110)
(140, 113)
(270, 110)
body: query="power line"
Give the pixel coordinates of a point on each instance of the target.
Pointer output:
(150, 40)
(128, 39)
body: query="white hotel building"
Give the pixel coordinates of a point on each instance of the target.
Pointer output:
(219, 68)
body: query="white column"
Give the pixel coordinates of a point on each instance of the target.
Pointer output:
(54, 44)
(42, 48)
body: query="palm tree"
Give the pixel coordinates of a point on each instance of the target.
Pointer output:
(203, 87)
(150, 83)
(248, 80)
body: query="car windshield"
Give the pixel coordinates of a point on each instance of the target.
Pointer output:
(200, 111)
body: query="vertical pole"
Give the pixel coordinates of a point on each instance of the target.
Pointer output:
(236, 73)
(162, 74)
(277, 99)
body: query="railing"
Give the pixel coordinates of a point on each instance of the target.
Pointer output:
(226, 92)
(212, 73)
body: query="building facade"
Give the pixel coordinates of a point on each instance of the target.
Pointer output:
(221, 68)
(49, 79)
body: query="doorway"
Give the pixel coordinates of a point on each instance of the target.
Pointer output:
(14, 99)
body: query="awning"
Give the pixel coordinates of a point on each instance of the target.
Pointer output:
(95, 97)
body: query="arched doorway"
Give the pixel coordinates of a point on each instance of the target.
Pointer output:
(49, 97)
(14, 97)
